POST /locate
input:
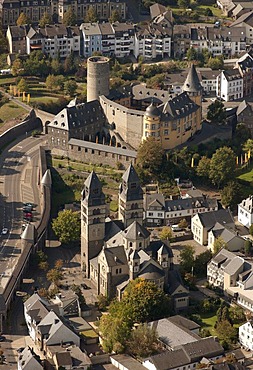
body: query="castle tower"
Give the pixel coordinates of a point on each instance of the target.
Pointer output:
(134, 264)
(130, 198)
(93, 210)
(151, 122)
(97, 77)
(193, 87)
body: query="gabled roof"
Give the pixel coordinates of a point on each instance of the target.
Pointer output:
(244, 18)
(222, 216)
(136, 231)
(130, 175)
(115, 256)
(151, 270)
(192, 83)
(27, 360)
(164, 249)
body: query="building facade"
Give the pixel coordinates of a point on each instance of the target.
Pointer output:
(245, 212)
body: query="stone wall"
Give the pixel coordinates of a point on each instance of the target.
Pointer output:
(87, 152)
(128, 122)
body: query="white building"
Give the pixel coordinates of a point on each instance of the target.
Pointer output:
(35, 309)
(229, 85)
(246, 335)
(27, 360)
(245, 212)
(91, 39)
(245, 20)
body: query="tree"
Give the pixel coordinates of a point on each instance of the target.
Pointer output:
(183, 3)
(218, 244)
(215, 63)
(43, 265)
(226, 332)
(54, 276)
(70, 87)
(216, 112)
(45, 19)
(150, 157)
(69, 17)
(22, 19)
(115, 16)
(208, 12)
(183, 224)
(191, 54)
(166, 233)
(231, 194)
(37, 64)
(143, 341)
(58, 264)
(237, 314)
(67, 226)
(248, 247)
(187, 259)
(251, 230)
(17, 67)
(22, 85)
(91, 15)
(201, 262)
(222, 166)
(248, 146)
(203, 167)
(56, 66)
(55, 82)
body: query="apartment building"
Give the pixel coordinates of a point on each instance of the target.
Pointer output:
(245, 212)
(229, 85)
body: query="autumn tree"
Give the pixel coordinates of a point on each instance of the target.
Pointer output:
(45, 19)
(166, 233)
(69, 17)
(91, 16)
(54, 276)
(150, 157)
(216, 112)
(248, 146)
(22, 85)
(115, 16)
(218, 244)
(143, 341)
(222, 166)
(55, 82)
(22, 20)
(43, 265)
(183, 224)
(58, 264)
(17, 68)
(67, 226)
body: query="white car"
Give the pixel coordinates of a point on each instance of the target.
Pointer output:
(4, 231)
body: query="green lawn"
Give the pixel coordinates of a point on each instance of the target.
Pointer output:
(7, 80)
(216, 11)
(11, 111)
(209, 321)
(248, 176)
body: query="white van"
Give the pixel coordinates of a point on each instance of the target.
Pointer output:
(176, 228)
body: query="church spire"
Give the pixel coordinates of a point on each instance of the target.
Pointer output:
(192, 84)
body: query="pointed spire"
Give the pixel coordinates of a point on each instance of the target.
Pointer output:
(92, 191)
(130, 175)
(192, 83)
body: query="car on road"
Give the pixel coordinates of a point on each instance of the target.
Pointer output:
(5, 231)
(2, 338)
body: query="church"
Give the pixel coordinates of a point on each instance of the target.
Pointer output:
(113, 252)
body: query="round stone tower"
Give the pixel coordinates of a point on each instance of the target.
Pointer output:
(97, 77)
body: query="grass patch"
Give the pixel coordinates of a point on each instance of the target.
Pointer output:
(11, 111)
(215, 10)
(209, 320)
(247, 176)
(7, 80)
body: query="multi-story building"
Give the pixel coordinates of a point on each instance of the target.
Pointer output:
(54, 40)
(245, 212)
(35, 9)
(245, 20)
(16, 36)
(245, 67)
(91, 39)
(229, 85)
(246, 335)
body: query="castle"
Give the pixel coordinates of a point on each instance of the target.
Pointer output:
(113, 252)
(126, 117)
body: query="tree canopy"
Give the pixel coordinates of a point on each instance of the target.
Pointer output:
(150, 157)
(216, 112)
(91, 15)
(222, 166)
(22, 19)
(67, 226)
(45, 19)
(69, 17)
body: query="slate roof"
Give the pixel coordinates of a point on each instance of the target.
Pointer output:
(130, 175)
(241, 107)
(136, 231)
(92, 191)
(222, 216)
(18, 31)
(244, 18)
(112, 228)
(178, 107)
(232, 74)
(169, 359)
(115, 256)
(78, 116)
(192, 83)
(190, 203)
(28, 361)
(90, 29)
(151, 271)
(206, 347)
(63, 359)
(38, 311)
(152, 111)
(156, 9)
(128, 362)
(234, 265)
(183, 322)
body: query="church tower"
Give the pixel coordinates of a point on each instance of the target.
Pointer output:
(193, 87)
(130, 198)
(134, 264)
(93, 211)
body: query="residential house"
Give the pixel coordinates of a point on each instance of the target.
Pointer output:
(246, 335)
(202, 223)
(232, 240)
(67, 303)
(91, 39)
(124, 39)
(51, 331)
(245, 67)
(245, 20)
(244, 114)
(69, 357)
(229, 85)
(28, 360)
(245, 212)
(208, 80)
(187, 356)
(175, 331)
(181, 40)
(16, 37)
(125, 362)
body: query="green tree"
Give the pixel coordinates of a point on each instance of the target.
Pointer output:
(22, 20)
(91, 15)
(222, 166)
(216, 112)
(248, 146)
(201, 262)
(69, 65)
(166, 233)
(69, 17)
(187, 259)
(56, 66)
(231, 194)
(251, 230)
(150, 157)
(54, 276)
(237, 314)
(115, 16)
(248, 247)
(183, 3)
(143, 341)
(183, 224)
(43, 265)
(45, 19)
(115, 331)
(3, 44)
(215, 63)
(17, 68)
(218, 244)
(191, 54)
(67, 226)
(208, 12)
(70, 87)
(203, 167)
(55, 82)
(226, 332)
(23, 85)
(37, 64)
